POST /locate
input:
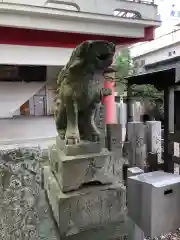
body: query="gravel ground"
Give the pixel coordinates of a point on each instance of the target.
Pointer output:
(24, 210)
(169, 236)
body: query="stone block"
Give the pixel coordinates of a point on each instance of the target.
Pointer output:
(74, 171)
(100, 123)
(134, 171)
(85, 147)
(87, 208)
(114, 137)
(112, 231)
(100, 119)
(176, 149)
(153, 136)
(137, 144)
(115, 145)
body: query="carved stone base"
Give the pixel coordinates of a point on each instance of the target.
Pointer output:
(85, 147)
(112, 231)
(72, 172)
(88, 208)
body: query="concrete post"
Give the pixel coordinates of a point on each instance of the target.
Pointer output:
(137, 146)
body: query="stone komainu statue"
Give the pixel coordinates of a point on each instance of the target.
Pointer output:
(80, 90)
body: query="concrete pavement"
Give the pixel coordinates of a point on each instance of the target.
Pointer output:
(27, 129)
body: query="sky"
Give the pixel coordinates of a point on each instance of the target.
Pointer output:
(169, 11)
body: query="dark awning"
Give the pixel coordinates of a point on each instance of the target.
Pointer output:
(159, 78)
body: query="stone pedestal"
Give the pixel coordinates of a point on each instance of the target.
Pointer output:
(83, 190)
(84, 148)
(87, 208)
(72, 172)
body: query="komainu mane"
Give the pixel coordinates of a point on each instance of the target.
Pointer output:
(80, 89)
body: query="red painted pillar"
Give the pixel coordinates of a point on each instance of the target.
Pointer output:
(110, 105)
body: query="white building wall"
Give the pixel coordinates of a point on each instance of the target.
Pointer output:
(17, 112)
(159, 55)
(49, 19)
(50, 103)
(14, 94)
(31, 106)
(162, 48)
(51, 79)
(31, 55)
(147, 11)
(162, 42)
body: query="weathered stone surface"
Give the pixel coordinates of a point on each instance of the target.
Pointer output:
(176, 149)
(114, 137)
(137, 144)
(87, 208)
(100, 119)
(74, 171)
(100, 122)
(153, 137)
(115, 145)
(85, 147)
(24, 210)
(112, 231)
(134, 171)
(80, 90)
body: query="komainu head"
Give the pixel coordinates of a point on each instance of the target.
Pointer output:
(92, 56)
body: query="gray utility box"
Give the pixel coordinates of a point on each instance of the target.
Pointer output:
(154, 202)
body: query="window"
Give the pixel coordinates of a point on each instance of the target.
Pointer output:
(142, 62)
(172, 14)
(127, 13)
(62, 5)
(8, 72)
(32, 73)
(169, 54)
(136, 64)
(17, 73)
